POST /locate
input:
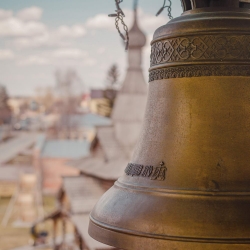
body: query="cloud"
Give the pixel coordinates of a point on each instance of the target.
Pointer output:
(89, 62)
(58, 58)
(150, 21)
(52, 38)
(48, 39)
(4, 14)
(71, 56)
(75, 31)
(30, 14)
(32, 34)
(101, 50)
(14, 27)
(70, 53)
(34, 60)
(100, 21)
(24, 24)
(29, 32)
(32, 42)
(6, 54)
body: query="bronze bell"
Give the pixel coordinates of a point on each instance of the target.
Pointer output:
(187, 186)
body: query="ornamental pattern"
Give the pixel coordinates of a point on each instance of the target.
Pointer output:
(199, 70)
(201, 48)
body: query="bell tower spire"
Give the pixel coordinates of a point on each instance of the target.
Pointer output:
(133, 93)
(137, 41)
(135, 9)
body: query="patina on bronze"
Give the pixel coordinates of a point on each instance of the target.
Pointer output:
(196, 134)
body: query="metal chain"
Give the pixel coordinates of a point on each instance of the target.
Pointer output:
(166, 6)
(119, 18)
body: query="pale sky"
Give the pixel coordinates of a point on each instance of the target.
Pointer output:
(38, 37)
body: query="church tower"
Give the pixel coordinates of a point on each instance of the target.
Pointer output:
(130, 103)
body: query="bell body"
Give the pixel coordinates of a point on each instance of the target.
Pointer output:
(188, 183)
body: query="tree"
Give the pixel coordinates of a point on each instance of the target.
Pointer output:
(5, 111)
(112, 81)
(45, 97)
(3, 97)
(113, 76)
(68, 84)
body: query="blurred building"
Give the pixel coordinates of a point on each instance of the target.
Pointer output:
(100, 103)
(18, 180)
(67, 143)
(79, 126)
(5, 132)
(51, 157)
(9, 178)
(19, 183)
(18, 104)
(18, 149)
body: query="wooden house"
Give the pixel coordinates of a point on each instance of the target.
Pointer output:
(51, 159)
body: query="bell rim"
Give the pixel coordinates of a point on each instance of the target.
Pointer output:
(104, 226)
(128, 240)
(109, 225)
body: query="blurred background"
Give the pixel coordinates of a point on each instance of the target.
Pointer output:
(71, 107)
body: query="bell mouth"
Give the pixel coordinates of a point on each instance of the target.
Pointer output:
(126, 217)
(128, 240)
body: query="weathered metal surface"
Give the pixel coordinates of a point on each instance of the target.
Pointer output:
(187, 184)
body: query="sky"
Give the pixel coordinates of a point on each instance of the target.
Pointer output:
(40, 37)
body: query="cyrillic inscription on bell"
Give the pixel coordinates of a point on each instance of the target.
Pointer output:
(197, 124)
(154, 173)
